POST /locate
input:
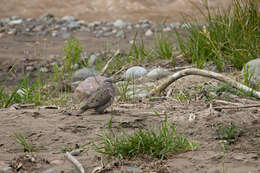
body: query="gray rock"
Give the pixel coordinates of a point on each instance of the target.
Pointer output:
(7, 169)
(185, 26)
(16, 22)
(73, 26)
(254, 71)
(65, 36)
(130, 169)
(51, 170)
(15, 18)
(43, 69)
(157, 73)
(107, 34)
(119, 24)
(120, 34)
(29, 68)
(83, 74)
(67, 19)
(148, 33)
(175, 25)
(135, 72)
(46, 16)
(92, 60)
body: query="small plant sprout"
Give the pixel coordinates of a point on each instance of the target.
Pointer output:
(28, 147)
(156, 143)
(228, 133)
(73, 51)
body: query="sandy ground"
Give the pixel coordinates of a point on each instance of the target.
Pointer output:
(108, 10)
(53, 129)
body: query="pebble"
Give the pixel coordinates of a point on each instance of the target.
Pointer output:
(57, 162)
(120, 34)
(83, 74)
(16, 22)
(8, 169)
(67, 19)
(92, 60)
(119, 23)
(254, 71)
(66, 36)
(148, 33)
(51, 170)
(157, 73)
(73, 26)
(135, 72)
(43, 69)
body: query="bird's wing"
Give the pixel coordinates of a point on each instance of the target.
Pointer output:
(99, 98)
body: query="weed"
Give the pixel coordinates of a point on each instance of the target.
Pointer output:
(231, 36)
(28, 147)
(230, 134)
(163, 47)
(148, 142)
(72, 50)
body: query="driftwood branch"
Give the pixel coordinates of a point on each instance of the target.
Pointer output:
(108, 63)
(236, 107)
(75, 162)
(204, 73)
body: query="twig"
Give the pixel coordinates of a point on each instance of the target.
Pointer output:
(75, 162)
(205, 73)
(108, 63)
(236, 107)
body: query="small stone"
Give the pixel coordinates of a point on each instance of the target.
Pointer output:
(120, 34)
(67, 19)
(175, 25)
(57, 162)
(66, 36)
(167, 29)
(16, 22)
(253, 68)
(92, 60)
(83, 74)
(185, 26)
(51, 170)
(119, 24)
(43, 69)
(29, 68)
(73, 26)
(148, 33)
(7, 169)
(130, 169)
(135, 72)
(157, 73)
(46, 16)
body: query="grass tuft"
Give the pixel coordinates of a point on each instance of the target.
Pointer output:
(145, 142)
(230, 37)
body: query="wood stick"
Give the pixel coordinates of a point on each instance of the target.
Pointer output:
(205, 73)
(108, 63)
(236, 107)
(75, 162)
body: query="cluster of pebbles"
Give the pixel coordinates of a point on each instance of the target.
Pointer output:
(49, 25)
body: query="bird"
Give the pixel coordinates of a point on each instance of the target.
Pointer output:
(101, 99)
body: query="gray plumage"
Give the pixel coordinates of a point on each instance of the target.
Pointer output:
(101, 99)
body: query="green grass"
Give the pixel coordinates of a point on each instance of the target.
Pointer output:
(231, 37)
(163, 46)
(228, 133)
(28, 147)
(73, 50)
(155, 143)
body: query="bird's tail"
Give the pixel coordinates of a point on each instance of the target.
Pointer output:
(83, 109)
